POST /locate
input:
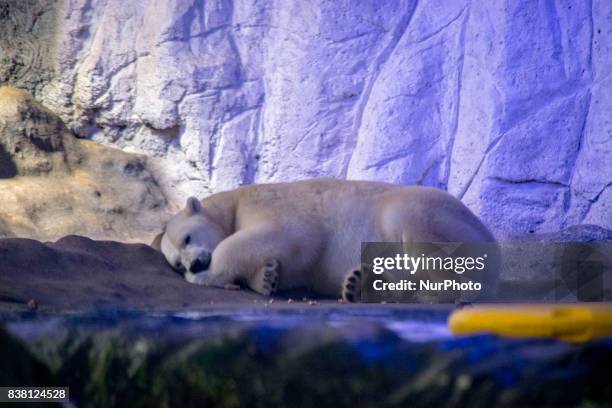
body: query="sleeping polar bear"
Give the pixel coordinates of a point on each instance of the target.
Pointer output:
(307, 234)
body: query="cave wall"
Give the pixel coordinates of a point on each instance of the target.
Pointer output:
(505, 104)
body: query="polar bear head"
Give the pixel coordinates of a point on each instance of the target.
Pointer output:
(190, 237)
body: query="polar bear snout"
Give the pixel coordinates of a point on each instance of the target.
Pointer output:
(201, 263)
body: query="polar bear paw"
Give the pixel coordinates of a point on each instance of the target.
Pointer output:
(351, 286)
(265, 281)
(197, 278)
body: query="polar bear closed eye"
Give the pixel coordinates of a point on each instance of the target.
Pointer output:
(190, 238)
(308, 234)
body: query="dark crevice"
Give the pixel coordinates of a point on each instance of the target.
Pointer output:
(8, 169)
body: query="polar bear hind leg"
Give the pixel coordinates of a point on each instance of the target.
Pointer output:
(351, 285)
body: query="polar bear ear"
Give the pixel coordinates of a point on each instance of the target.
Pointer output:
(193, 205)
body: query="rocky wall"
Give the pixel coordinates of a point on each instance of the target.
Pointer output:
(505, 104)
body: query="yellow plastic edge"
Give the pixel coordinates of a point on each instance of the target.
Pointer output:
(567, 322)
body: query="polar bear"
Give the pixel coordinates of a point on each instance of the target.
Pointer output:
(306, 234)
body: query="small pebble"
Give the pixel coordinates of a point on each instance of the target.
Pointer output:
(271, 301)
(312, 302)
(289, 300)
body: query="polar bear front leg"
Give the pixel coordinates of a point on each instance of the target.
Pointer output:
(265, 280)
(207, 279)
(201, 278)
(257, 254)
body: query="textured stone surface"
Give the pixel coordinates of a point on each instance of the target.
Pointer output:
(53, 184)
(26, 48)
(114, 275)
(282, 359)
(77, 273)
(505, 104)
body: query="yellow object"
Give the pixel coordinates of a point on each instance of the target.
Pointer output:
(569, 322)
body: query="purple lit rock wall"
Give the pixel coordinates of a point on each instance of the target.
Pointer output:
(506, 104)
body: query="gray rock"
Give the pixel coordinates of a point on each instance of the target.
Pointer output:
(77, 273)
(34, 141)
(575, 233)
(53, 184)
(340, 359)
(27, 54)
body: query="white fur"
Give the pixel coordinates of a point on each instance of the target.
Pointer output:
(314, 229)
